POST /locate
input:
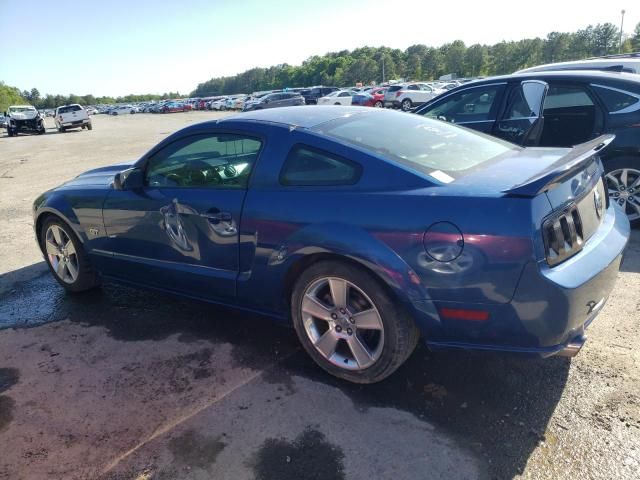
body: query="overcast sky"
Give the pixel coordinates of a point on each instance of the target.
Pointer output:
(117, 47)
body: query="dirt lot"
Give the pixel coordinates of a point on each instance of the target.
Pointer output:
(128, 384)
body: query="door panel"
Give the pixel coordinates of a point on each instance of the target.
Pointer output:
(180, 230)
(179, 239)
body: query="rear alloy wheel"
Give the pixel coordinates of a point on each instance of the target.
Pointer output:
(349, 325)
(406, 105)
(623, 186)
(66, 258)
(378, 104)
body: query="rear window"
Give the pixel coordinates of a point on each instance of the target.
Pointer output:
(70, 108)
(422, 144)
(616, 100)
(394, 88)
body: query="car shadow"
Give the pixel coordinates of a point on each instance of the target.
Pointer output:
(498, 406)
(631, 261)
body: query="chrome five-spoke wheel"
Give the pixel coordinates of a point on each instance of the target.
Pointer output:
(61, 254)
(342, 323)
(624, 188)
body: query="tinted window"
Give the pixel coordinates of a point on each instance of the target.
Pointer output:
(70, 108)
(560, 96)
(472, 105)
(308, 166)
(616, 100)
(344, 94)
(420, 143)
(204, 161)
(394, 88)
(413, 87)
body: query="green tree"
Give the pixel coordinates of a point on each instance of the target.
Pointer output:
(635, 40)
(34, 96)
(9, 96)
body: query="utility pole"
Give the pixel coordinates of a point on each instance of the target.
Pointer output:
(621, 26)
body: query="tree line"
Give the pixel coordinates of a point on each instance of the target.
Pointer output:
(421, 62)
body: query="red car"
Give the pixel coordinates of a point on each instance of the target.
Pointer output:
(172, 107)
(371, 98)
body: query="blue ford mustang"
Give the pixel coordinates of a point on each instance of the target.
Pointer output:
(367, 228)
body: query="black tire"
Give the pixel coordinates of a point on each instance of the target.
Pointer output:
(378, 104)
(400, 332)
(630, 163)
(42, 129)
(89, 126)
(87, 278)
(337, 103)
(61, 129)
(406, 105)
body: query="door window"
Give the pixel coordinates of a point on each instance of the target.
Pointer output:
(569, 116)
(472, 105)
(526, 101)
(308, 166)
(204, 161)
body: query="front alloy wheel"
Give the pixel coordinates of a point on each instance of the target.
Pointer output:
(66, 257)
(61, 254)
(623, 186)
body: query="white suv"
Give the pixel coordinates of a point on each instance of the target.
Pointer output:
(410, 95)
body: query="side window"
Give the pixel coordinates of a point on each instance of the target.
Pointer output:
(561, 96)
(472, 105)
(308, 166)
(344, 94)
(204, 161)
(413, 87)
(616, 100)
(525, 100)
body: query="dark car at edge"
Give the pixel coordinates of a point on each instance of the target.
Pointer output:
(558, 109)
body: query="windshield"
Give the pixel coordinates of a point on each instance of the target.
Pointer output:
(21, 109)
(419, 143)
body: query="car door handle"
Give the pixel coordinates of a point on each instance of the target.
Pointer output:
(217, 216)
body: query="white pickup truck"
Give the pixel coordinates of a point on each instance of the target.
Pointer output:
(72, 116)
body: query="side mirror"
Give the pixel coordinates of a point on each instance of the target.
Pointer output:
(129, 179)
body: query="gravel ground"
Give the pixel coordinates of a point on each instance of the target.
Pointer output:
(122, 383)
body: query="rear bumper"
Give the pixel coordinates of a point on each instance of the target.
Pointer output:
(551, 308)
(76, 123)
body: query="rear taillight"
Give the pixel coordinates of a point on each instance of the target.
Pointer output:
(60, 118)
(563, 235)
(398, 93)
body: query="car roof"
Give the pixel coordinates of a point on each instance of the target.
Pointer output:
(597, 63)
(588, 75)
(301, 116)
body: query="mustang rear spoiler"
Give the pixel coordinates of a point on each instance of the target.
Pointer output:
(552, 176)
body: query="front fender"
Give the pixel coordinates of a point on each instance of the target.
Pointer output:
(52, 204)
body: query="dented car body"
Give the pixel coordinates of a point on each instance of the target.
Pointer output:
(487, 245)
